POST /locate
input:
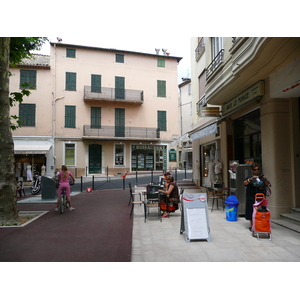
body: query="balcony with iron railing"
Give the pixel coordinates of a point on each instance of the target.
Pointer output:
(113, 95)
(217, 61)
(117, 133)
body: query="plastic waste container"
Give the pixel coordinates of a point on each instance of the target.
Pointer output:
(231, 208)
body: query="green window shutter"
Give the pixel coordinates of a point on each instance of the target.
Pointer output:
(119, 122)
(119, 87)
(95, 83)
(71, 53)
(70, 116)
(161, 88)
(120, 58)
(28, 79)
(27, 114)
(95, 117)
(162, 120)
(161, 63)
(70, 81)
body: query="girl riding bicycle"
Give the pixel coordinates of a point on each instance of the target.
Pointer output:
(64, 182)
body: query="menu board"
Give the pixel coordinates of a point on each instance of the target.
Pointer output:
(194, 217)
(197, 226)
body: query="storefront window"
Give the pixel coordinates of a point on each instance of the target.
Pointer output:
(208, 155)
(247, 138)
(119, 155)
(148, 157)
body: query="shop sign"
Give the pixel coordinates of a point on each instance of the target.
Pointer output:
(148, 147)
(254, 91)
(172, 155)
(212, 111)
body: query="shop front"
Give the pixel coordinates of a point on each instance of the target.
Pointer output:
(148, 157)
(32, 156)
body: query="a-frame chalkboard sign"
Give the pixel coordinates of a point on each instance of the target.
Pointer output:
(194, 216)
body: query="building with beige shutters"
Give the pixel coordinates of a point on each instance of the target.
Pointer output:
(97, 110)
(253, 86)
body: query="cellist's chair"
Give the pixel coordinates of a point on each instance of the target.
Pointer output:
(133, 199)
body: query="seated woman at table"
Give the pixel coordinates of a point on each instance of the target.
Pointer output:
(172, 198)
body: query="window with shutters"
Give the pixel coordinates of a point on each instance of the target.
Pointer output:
(120, 58)
(162, 120)
(119, 87)
(70, 116)
(95, 117)
(95, 83)
(28, 79)
(70, 81)
(161, 88)
(161, 63)
(71, 53)
(27, 114)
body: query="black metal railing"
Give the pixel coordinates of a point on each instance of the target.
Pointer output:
(215, 63)
(113, 94)
(126, 132)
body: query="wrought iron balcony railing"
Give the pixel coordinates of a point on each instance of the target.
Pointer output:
(113, 94)
(119, 132)
(215, 64)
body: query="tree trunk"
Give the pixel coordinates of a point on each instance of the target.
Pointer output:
(8, 210)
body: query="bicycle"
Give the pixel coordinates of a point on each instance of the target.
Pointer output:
(64, 203)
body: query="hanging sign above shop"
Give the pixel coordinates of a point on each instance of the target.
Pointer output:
(253, 92)
(212, 111)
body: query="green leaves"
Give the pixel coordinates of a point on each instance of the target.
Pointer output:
(13, 99)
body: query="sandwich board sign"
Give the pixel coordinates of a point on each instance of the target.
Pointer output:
(194, 217)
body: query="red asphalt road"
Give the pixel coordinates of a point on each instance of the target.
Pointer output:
(99, 230)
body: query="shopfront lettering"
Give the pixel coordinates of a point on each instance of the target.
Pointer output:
(248, 95)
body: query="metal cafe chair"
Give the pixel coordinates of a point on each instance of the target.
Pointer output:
(211, 194)
(151, 200)
(132, 199)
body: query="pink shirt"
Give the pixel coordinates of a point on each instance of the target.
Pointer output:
(61, 180)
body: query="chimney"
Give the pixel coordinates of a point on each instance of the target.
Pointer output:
(157, 51)
(164, 51)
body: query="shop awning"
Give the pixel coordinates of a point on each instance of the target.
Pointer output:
(31, 147)
(205, 131)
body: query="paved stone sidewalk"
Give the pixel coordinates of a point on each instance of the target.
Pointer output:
(156, 241)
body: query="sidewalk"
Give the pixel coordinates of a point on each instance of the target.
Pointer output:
(156, 241)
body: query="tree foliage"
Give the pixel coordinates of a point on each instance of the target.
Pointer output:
(20, 48)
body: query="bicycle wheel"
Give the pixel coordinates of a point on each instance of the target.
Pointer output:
(62, 203)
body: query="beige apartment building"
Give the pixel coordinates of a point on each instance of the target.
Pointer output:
(245, 94)
(97, 110)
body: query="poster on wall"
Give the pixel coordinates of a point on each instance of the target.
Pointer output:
(172, 155)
